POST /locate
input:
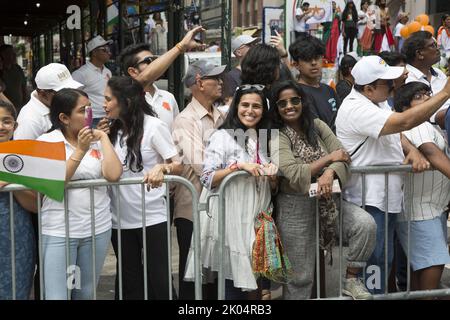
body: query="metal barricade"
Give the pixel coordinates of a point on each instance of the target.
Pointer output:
(363, 171)
(90, 185)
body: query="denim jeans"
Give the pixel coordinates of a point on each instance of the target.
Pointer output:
(57, 276)
(375, 270)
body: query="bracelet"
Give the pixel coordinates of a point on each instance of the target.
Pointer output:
(180, 47)
(75, 159)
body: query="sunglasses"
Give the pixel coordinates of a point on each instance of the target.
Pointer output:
(295, 101)
(244, 87)
(146, 60)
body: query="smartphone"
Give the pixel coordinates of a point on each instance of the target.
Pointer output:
(88, 118)
(274, 30)
(336, 188)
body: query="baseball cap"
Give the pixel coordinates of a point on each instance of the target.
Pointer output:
(96, 42)
(202, 68)
(55, 76)
(241, 40)
(371, 68)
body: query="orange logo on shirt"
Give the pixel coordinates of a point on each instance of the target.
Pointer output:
(166, 106)
(95, 154)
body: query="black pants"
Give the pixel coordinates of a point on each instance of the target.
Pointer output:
(133, 266)
(184, 236)
(37, 283)
(350, 35)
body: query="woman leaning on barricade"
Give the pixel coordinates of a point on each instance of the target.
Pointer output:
(89, 155)
(307, 151)
(24, 240)
(241, 144)
(146, 150)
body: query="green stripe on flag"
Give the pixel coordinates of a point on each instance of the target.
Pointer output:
(52, 188)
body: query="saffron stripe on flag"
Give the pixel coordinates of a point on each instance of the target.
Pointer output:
(52, 188)
(41, 149)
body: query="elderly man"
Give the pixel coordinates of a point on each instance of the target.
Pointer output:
(191, 130)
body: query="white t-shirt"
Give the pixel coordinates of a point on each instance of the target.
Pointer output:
(156, 146)
(94, 80)
(164, 104)
(430, 192)
(33, 120)
(397, 30)
(438, 81)
(300, 26)
(53, 218)
(357, 119)
(444, 42)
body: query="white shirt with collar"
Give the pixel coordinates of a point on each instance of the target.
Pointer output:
(33, 119)
(357, 119)
(94, 80)
(438, 81)
(90, 167)
(164, 104)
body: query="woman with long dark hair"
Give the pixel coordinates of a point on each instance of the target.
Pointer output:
(146, 150)
(349, 25)
(89, 155)
(307, 151)
(239, 144)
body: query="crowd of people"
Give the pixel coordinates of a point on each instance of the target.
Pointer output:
(293, 136)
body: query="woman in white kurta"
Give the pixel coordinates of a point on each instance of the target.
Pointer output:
(237, 145)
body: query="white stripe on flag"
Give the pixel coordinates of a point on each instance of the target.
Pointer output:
(35, 167)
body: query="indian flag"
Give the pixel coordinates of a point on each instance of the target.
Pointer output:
(38, 165)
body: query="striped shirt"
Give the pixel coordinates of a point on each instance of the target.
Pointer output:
(427, 193)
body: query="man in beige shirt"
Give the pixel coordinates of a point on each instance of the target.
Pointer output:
(191, 131)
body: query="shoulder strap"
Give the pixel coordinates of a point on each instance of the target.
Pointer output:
(359, 147)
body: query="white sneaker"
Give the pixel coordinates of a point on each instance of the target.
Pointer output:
(356, 289)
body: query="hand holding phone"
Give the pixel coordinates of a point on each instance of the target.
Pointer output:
(274, 30)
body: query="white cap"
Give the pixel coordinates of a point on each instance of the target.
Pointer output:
(371, 68)
(241, 40)
(96, 42)
(55, 76)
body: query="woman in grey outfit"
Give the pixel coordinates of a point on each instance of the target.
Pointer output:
(307, 151)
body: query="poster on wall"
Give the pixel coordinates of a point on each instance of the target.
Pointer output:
(273, 21)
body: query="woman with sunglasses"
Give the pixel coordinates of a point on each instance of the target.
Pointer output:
(307, 151)
(239, 144)
(89, 155)
(146, 150)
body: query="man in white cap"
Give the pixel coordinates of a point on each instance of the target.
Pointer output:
(191, 131)
(94, 75)
(239, 46)
(370, 132)
(34, 117)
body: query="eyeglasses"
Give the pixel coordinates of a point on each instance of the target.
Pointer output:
(421, 95)
(104, 49)
(432, 45)
(8, 123)
(295, 101)
(389, 84)
(244, 87)
(146, 60)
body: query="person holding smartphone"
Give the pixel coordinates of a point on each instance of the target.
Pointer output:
(83, 162)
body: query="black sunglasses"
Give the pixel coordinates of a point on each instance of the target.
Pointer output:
(295, 101)
(146, 60)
